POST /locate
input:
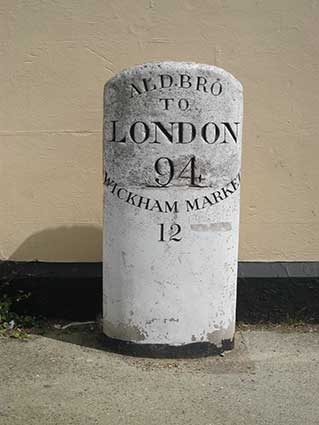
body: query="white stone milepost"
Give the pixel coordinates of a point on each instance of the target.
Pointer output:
(172, 153)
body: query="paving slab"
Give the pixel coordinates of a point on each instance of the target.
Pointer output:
(66, 377)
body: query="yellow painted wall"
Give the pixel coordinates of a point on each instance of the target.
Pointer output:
(55, 58)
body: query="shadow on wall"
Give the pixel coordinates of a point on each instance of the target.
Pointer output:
(82, 243)
(61, 292)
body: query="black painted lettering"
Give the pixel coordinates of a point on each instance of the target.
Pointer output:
(165, 132)
(206, 201)
(170, 208)
(157, 206)
(144, 201)
(135, 90)
(120, 190)
(185, 81)
(216, 88)
(217, 196)
(123, 140)
(108, 181)
(190, 206)
(164, 167)
(205, 135)
(131, 199)
(166, 102)
(171, 235)
(233, 133)
(235, 183)
(146, 84)
(175, 230)
(145, 130)
(161, 238)
(166, 81)
(183, 104)
(181, 132)
(227, 191)
(201, 84)
(114, 187)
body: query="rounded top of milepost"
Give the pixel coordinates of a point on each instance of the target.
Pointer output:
(182, 66)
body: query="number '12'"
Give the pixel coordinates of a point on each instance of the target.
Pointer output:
(170, 235)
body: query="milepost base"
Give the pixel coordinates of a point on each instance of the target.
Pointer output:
(193, 350)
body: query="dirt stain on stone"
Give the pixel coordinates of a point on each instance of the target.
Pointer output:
(219, 335)
(212, 227)
(173, 320)
(126, 331)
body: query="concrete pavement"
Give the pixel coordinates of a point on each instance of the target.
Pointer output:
(65, 377)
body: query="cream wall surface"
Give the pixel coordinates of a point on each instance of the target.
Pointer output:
(56, 57)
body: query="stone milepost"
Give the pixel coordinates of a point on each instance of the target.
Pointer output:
(172, 150)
